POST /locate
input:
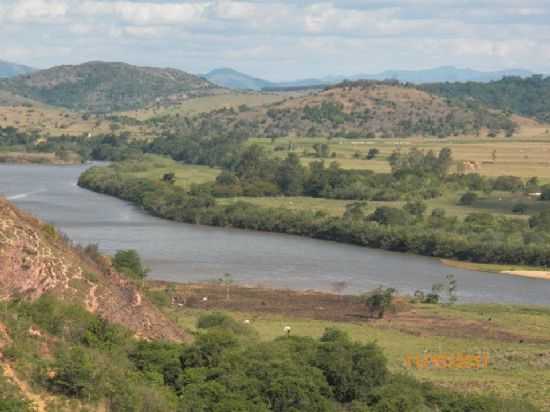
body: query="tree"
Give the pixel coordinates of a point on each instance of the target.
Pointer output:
(291, 175)
(352, 370)
(372, 153)
(540, 221)
(378, 301)
(76, 374)
(416, 208)
(129, 263)
(355, 211)
(444, 161)
(169, 178)
(321, 150)
(468, 198)
(451, 288)
(226, 281)
(386, 215)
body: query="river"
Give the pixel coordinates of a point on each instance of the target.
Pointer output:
(183, 252)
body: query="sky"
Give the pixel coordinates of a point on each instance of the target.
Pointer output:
(280, 40)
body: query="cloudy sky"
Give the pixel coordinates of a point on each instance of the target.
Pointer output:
(280, 40)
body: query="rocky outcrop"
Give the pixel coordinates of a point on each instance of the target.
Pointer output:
(35, 259)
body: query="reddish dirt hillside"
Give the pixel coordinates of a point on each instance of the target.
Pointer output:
(35, 259)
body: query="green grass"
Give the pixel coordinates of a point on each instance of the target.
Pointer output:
(154, 168)
(524, 155)
(330, 206)
(515, 369)
(206, 104)
(501, 203)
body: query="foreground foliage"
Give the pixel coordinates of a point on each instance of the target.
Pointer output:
(226, 368)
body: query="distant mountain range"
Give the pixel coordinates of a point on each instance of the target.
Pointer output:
(233, 79)
(8, 69)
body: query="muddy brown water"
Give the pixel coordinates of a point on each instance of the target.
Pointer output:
(183, 252)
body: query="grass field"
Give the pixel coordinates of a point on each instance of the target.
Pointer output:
(185, 175)
(52, 121)
(209, 103)
(526, 154)
(500, 203)
(516, 338)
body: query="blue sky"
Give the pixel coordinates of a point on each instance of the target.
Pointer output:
(280, 40)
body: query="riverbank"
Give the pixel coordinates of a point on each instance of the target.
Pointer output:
(37, 158)
(516, 338)
(515, 270)
(389, 228)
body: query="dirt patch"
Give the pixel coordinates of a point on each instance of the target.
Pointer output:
(426, 324)
(308, 304)
(536, 274)
(404, 317)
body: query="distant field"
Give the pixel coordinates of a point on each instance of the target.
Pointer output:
(53, 121)
(37, 158)
(500, 203)
(155, 167)
(329, 206)
(208, 103)
(526, 154)
(515, 338)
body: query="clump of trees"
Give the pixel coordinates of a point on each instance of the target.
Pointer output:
(527, 97)
(226, 368)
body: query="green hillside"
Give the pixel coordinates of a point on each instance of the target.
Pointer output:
(106, 87)
(528, 97)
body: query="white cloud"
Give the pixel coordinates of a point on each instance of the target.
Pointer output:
(312, 37)
(144, 13)
(27, 11)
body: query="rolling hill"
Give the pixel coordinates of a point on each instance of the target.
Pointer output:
(525, 96)
(105, 87)
(232, 79)
(353, 109)
(8, 69)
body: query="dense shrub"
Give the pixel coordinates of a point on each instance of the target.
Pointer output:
(468, 198)
(220, 371)
(129, 263)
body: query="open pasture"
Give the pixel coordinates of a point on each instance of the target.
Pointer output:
(515, 338)
(206, 104)
(526, 154)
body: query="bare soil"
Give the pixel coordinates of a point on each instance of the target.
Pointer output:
(404, 316)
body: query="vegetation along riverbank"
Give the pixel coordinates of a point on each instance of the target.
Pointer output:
(477, 237)
(82, 332)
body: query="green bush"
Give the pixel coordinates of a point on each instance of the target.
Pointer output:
(10, 398)
(129, 263)
(468, 198)
(225, 322)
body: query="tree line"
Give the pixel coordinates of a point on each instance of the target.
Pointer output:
(479, 237)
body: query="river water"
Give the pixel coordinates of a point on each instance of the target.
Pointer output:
(182, 252)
